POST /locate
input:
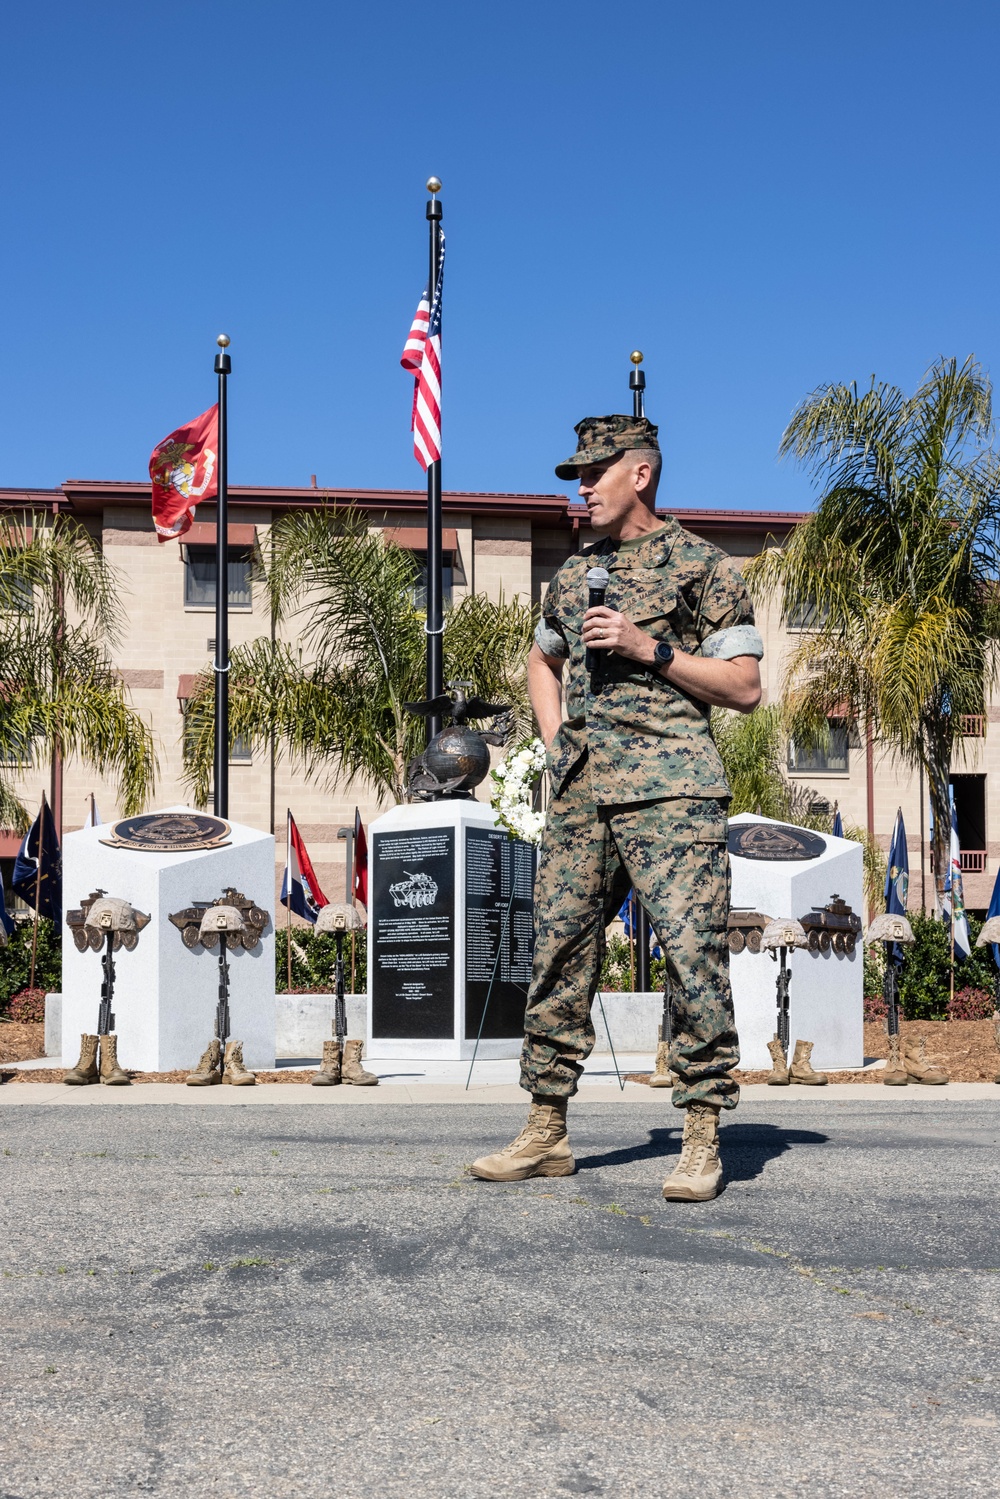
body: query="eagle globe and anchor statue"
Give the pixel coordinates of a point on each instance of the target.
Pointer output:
(457, 759)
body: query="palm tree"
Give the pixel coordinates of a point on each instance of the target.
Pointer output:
(60, 694)
(895, 574)
(335, 703)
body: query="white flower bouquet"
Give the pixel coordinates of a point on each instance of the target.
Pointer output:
(514, 781)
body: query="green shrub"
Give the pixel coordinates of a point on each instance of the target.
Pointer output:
(15, 961)
(313, 957)
(926, 986)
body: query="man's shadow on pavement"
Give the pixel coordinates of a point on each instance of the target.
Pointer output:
(746, 1148)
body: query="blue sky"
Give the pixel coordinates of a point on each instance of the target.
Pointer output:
(763, 198)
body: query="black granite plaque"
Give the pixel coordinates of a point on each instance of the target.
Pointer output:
(499, 931)
(774, 841)
(412, 874)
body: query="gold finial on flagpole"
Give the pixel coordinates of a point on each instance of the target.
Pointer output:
(636, 356)
(223, 340)
(434, 184)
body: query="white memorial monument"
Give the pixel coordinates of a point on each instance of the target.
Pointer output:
(165, 991)
(450, 932)
(779, 870)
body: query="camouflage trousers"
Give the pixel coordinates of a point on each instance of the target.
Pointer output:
(674, 854)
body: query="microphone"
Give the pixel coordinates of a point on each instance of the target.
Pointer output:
(598, 579)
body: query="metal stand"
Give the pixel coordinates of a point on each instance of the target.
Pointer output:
(220, 804)
(642, 978)
(637, 385)
(105, 1016)
(435, 588)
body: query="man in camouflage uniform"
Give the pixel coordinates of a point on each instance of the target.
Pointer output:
(639, 798)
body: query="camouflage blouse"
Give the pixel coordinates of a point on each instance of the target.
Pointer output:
(645, 739)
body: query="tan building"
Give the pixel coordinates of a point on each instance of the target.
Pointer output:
(492, 542)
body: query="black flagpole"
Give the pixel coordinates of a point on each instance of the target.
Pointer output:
(223, 366)
(435, 588)
(643, 983)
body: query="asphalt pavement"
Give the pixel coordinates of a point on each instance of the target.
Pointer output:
(277, 1301)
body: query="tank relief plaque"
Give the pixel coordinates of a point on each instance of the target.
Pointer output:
(169, 832)
(412, 908)
(774, 842)
(499, 932)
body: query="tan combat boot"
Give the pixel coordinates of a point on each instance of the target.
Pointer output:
(352, 1070)
(329, 1069)
(894, 1075)
(778, 1077)
(662, 1077)
(698, 1174)
(541, 1149)
(801, 1070)
(207, 1071)
(234, 1071)
(85, 1070)
(111, 1074)
(918, 1068)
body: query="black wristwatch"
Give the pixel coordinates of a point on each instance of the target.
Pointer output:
(662, 656)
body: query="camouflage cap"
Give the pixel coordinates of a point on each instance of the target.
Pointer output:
(601, 437)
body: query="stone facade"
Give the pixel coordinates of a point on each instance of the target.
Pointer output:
(499, 544)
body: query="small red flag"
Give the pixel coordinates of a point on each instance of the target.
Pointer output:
(360, 861)
(183, 470)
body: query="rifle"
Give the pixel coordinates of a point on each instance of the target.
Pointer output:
(222, 1009)
(666, 1021)
(782, 994)
(890, 993)
(105, 1017)
(340, 1003)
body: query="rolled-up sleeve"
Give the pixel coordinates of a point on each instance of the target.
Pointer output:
(549, 635)
(726, 626)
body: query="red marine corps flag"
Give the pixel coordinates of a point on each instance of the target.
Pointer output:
(183, 470)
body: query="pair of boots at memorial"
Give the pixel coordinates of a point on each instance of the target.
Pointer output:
(913, 1066)
(799, 1071)
(543, 1149)
(337, 1067)
(213, 1068)
(89, 1070)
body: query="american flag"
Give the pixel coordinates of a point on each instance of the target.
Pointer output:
(422, 356)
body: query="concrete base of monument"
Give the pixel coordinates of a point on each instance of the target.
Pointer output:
(450, 933)
(628, 1022)
(826, 989)
(165, 993)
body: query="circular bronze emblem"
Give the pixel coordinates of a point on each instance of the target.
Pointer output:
(169, 832)
(774, 841)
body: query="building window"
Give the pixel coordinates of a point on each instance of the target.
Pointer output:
(969, 793)
(199, 578)
(830, 758)
(15, 754)
(806, 615)
(420, 581)
(241, 752)
(16, 596)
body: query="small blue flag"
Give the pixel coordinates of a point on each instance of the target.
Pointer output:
(838, 824)
(897, 878)
(994, 910)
